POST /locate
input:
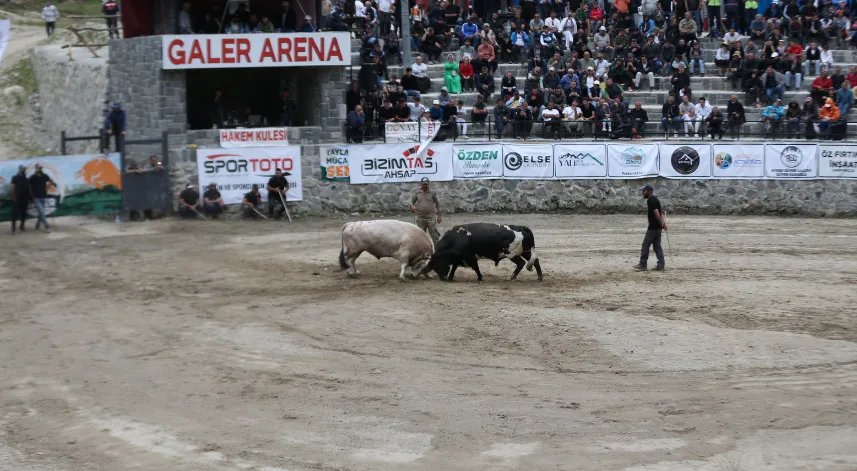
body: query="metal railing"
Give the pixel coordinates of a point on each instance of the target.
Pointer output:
(558, 130)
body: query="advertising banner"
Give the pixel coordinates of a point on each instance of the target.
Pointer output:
(256, 137)
(234, 171)
(837, 161)
(83, 184)
(528, 161)
(225, 51)
(398, 163)
(411, 131)
(580, 160)
(4, 37)
(738, 160)
(791, 161)
(477, 161)
(632, 160)
(334, 163)
(685, 160)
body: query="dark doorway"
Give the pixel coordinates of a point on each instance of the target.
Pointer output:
(249, 96)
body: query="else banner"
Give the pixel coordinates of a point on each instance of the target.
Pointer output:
(235, 171)
(528, 161)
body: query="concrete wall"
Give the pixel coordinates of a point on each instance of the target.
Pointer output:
(716, 197)
(72, 95)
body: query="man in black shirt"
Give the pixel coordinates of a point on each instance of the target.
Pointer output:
(277, 188)
(39, 189)
(21, 196)
(653, 233)
(252, 203)
(188, 201)
(212, 201)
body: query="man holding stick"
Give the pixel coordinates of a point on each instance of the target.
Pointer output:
(277, 188)
(426, 209)
(252, 203)
(189, 203)
(653, 233)
(213, 201)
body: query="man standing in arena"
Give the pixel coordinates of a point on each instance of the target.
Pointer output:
(39, 189)
(277, 188)
(21, 196)
(426, 209)
(653, 233)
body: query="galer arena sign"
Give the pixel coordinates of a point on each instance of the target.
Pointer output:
(221, 51)
(255, 137)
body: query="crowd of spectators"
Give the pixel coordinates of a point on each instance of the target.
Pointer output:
(581, 58)
(238, 18)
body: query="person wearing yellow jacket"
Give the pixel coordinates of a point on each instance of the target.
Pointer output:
(828, 115)
(751, 8)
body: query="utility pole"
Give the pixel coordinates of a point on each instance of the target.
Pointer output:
(406, 34)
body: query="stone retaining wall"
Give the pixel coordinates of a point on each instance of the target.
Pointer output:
(814, 198)
(72, 95)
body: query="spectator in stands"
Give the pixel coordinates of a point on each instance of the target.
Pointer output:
(681, 82)
(501, 117)
(435, 112)
(185, 25)
(715, 123)
(289, 19)
(828, 115)
(774, 84)
(403, 111)
(467, 77)
(721, 59)
(387, 114)
(420, 71)
(356, 124)
(821, 87)
(826, 58)
(645, 69)
(479, 111)
(687, 28)
(701, 111)
(520, 39)
(837, 78)
(697, 60)
(508, 86)
(114, 125)
(672, 117)
(189, 202)
(757, 28)
(487, 57)
(568, 29)
(410, 84)
(688, 115)
(466, 50)
(431, 46)
(813, 59)
(755, 88)
(485, 83)
(523, 122)
(793, 117)
(212, 201)
(486, 34)
(451, 78)
(552, 119)
(735, 114)
(793, 70)
(353, 97)
(844, 98)
(417, 110)
(852, 79)
(393, 90)
(668, 56)
(507, 51)
(814, 31)
(639, 117)
(809, 112)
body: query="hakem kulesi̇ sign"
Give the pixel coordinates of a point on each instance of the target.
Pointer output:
(224, 51)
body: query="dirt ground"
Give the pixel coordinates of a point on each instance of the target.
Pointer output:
(172, 345)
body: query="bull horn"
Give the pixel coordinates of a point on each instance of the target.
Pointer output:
(427, 268)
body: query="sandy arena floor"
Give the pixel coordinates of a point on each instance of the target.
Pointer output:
(176, 345)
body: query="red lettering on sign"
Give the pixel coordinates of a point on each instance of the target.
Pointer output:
(267, 52)
(196, 53)
(211, 59)
(175, 51)
(243, 50)
(265, 165)
(284, 48)
(316, 48)
(300, 50)
(227, 46)
(334, 51)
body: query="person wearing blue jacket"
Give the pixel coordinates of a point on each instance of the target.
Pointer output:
(844, 98)
(520, 44)
(772, 116)
(114, 125)
(470, 31)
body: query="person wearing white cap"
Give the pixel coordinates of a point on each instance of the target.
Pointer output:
(188, 202)
(307, 26)
(602, 42)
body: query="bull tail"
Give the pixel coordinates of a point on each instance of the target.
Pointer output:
(530, 241)
(342, 263)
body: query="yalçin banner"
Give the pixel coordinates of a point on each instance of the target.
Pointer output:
(580, 160)
(234, 171)
(837, 161)
(477, 161)
(790, 161)
(687, 160)
(334, 163)
(632, 160)
(83, 184)
(392, 163)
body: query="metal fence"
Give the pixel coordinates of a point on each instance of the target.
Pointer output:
(662, 129)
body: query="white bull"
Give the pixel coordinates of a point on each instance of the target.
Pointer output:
(403, 241)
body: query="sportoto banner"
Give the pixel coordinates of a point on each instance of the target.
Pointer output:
(791, 161)
(528, 161)
(84, 184)
(256, 137)
(837, 161)
(225, 51)
(483, 161)
(632, 160)
(334, 163)
(685, 160)
(411, 131)
(234, 171)
(580, 160)
(399, 163)
(738, 161)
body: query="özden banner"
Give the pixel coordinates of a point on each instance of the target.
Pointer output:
(399, 163)
(234, 171)
(837, 161)
(83, 184)
(477, 161)
(791, 161)
(685, 160)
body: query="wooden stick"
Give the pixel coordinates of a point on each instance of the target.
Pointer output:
(284, 206)
(198, 213)
(257, 212)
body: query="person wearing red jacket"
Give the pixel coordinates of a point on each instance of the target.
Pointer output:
(852, 79)
(465, 69)
(821, 87)
(111, 14)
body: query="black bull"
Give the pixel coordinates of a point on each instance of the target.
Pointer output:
(465, 244)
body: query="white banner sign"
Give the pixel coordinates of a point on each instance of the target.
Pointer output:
(632, 160)
(790, 161)
(685, 160)
(255, 137)
(528, 161)
(223, 51)
(738, 160)
(398, 163)
(4, 37)
(236, 170)
(411, 131)
(580, 160)
(477, 161)
(837, 161)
